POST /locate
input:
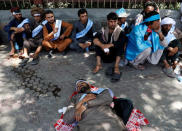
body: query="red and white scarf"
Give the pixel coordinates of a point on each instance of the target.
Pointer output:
(60, 125)
(136, 120)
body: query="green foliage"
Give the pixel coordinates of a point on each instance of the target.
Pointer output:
(51, 5)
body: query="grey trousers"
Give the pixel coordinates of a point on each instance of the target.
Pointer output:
(32, 43)
(147, 54)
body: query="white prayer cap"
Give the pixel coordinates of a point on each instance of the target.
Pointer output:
(168, 21)
(121, 13)
(36, 14)
(14, 13)
(78, 81)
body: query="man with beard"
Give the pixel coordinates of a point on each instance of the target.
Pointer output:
(91, 109)
(54, 36)
(122, 16)
(34, 36)
(109, 46)
(15, 30)
(82, 34)
(170, 54)
(148, 7)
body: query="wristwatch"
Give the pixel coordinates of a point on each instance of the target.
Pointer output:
(85, 104)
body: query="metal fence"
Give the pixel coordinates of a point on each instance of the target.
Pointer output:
(128, 4)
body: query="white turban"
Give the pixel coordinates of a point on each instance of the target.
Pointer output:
(167, 21)
(121, 13)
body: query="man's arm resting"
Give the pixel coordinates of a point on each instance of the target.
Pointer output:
(68, 27)
(47, 36)
(102, 99)
(173, 50)
(101, 45)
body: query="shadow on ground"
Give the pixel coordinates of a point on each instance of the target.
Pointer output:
(28, 102)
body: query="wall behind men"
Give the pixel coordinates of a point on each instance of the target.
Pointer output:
(97, 15)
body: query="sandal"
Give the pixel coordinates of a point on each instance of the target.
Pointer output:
(116, 75)
(11, 54)
(97, 69)
(24, 62)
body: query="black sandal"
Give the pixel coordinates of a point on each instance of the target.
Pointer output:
(24, 62)
(115, 77)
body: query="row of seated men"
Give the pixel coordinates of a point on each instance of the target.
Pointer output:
(150, 38)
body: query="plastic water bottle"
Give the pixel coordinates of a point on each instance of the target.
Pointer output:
(87, 49)
(177, 70)
(17, 47)
(179, 78)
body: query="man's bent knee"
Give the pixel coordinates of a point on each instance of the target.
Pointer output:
(26, 44)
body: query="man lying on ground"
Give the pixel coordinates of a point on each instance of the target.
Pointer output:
(92, 109)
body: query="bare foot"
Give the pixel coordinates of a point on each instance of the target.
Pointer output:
(12, 52)
(97, 69)
(85, 45)
(116, 70)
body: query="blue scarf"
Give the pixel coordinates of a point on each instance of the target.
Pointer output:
(123, 26)
(85, 31)
(152, 18)
(98, 91)
(137, 44)
(57, 25)
(38, 28)
(23, 22)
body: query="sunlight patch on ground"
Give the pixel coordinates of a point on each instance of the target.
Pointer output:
(175, 84)
(122, 96)
(98, 74)
(65, 57)
(7, 123)
(156, 95)
(20, 92)
(148, 108)
(7, 96)
(141, 76)
(147, 83)
(175, 106)
(148, 100)
(172, 122)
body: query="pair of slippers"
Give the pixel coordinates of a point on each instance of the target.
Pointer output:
(115, 77)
